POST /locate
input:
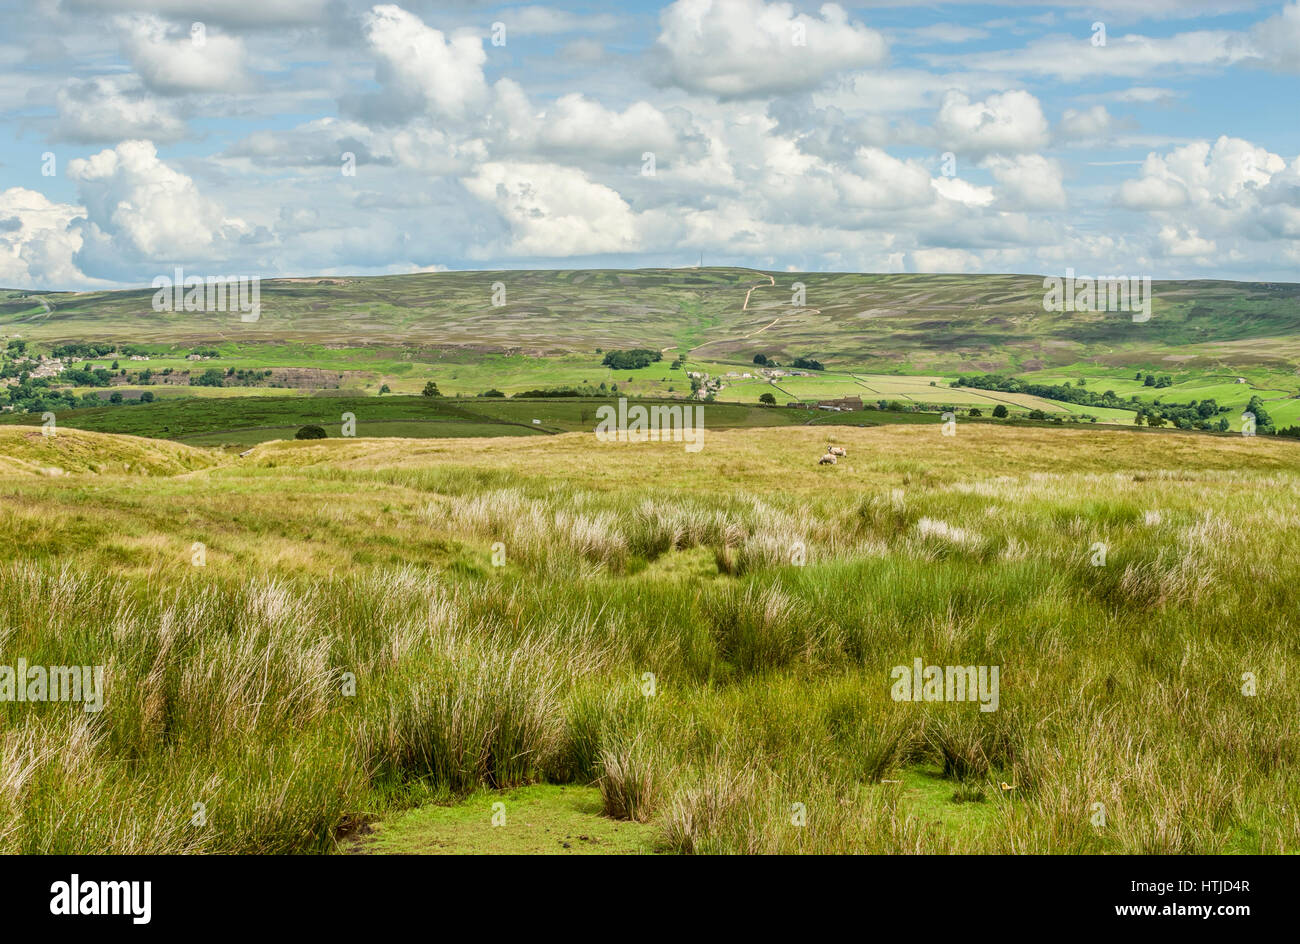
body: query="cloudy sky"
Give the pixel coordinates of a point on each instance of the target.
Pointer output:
(303, 137)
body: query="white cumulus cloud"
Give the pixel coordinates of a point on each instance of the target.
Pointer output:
(1090, 126)
(1201, 173)
(107, 108)
(37, 241)
(175, 62)
(741, 48)
(1184, 241)
(141, 210)
(1007, 122)
(1028, 181)
(555, 211)
(421, 68)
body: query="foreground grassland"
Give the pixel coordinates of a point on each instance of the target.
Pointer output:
(369, 563)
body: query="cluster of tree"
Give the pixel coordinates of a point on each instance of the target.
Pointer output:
(36, 396)
(1263, 422)
(212, 377)
(897, 406)
(246, 376)
(634, 359)
(1199, 414)
(802, 363)
(206, 352)
(86, 377)
(1151, 380)
(1064, 392)
(583, 391)
(81, 350)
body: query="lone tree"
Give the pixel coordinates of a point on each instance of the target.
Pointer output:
(310, 432)
(1000, 411)
(767, 398)
(430, 390)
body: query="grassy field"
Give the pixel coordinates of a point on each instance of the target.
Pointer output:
(1277, 389)
(364, 644)
(248, 420)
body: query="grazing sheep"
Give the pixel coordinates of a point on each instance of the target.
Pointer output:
(837, 451)
(827, 459)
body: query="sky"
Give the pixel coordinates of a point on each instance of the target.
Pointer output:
(332, 137)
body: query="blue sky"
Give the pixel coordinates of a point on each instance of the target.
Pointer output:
(886, 137)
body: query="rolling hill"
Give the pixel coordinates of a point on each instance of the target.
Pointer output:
(885, 338)
(888, 323)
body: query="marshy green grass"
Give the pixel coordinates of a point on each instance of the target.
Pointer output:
(703, 642)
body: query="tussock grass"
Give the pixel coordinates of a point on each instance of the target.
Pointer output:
(627, 781)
